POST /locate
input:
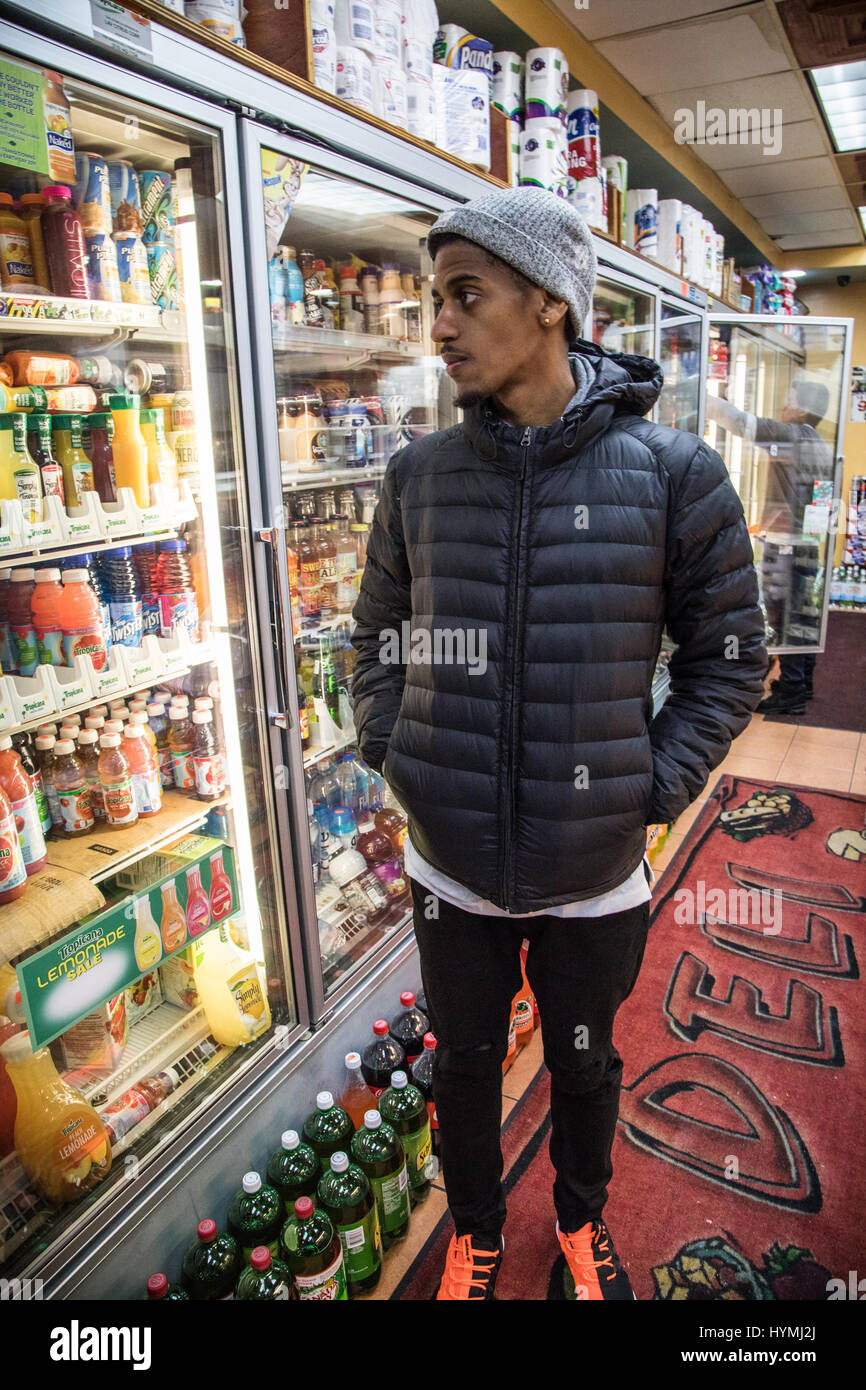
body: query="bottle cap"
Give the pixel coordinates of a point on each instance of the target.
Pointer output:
(124, 402)
(353, 1060)
(407, 999)
(118, 703)
(22, 576)
(68, 731)
(399, 1079)
(367, 825)
(206, 1230)
(260, 1259)
(17, 1048)
(64, 745)
(72, 719)
(324, 1100)
(56, 190)
(252, 1183)
(339, 1162)
(177, 712)
(110, 741)
(304, 1208)
(203, 702)
(43, 730)
(5, 742)
(179, 700)
(372, 1119)
(45, 741)
(87, 736)
(429, 1041)
(155, 709)
(137, 720)
(290, 1139)
(202, 716)
(47, 576)
(157, 1286)
(113, 726)
(380, 1028)
(137, 706)
(133, 731)
(74, 576)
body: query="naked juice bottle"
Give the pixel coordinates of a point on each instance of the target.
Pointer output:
(173, 924)
(197, 905)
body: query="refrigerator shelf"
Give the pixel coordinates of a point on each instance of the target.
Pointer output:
(297, 338)
(149, 1049)
(333, 475)
(96, 525)
(329, 623)
(317, 754)
(90, 318)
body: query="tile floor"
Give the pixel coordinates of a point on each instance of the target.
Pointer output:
(792, 753)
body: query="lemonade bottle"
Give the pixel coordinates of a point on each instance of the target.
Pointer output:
(77, 469)
(148, 942)
(228, 984)
(161, 465)
(60, 1141)
(20, 479)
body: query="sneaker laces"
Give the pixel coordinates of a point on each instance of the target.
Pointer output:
(580, 1246)
(463, 1263)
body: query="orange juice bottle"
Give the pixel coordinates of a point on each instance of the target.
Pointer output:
(116, 779)
(173, 924)
(60, 1141)
(144, 768)
(161, 465)
(129, 447)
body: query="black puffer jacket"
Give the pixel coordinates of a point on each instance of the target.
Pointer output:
(530, 776)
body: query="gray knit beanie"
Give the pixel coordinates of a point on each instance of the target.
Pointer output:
(537, 233)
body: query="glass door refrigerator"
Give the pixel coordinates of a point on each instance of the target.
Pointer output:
(775, 410)
(340, 281)
(146, 945)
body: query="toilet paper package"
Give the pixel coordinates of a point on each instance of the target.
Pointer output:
(643, 215)
(420, 108)
(353, 21)
(560, 179)
(355, 78)
(508, 83)
(389, 85)
(324, 45)
(455, 47)
(538, 156)
(462, 106)
(588, 197)
(545, 87)
(670, 252)
(709, 234)
(387, 33)
(220, 17)
(720, 265)
(690, 230)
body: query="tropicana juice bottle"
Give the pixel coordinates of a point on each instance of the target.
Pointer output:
(19, 473)
(173, 924)
(60, 1141)
(180, 742)
(23, 745)
(159, 727)
(41, 451)
(88, 752)
(45, 757)
(129, 447)
(73, 793)
(19, 789)
(206, 757)
(20, 617)
(67, 442)
(45, 611)
(116, 779)
(143, 767)
(13, 873)
(161, 465)
(81, 621)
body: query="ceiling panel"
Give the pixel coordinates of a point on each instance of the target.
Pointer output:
(600, 18)
(807, 241)
(729, 49)
(792, 223)
(804, 138)
(782, 91)
(800, 200)
(774, 176)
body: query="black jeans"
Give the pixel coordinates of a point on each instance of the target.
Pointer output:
(580, 970)
(796, 674)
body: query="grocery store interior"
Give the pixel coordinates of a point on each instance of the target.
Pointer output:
(214, 274)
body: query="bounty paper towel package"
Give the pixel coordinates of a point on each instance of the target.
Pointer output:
(457, 48)
(643, 219)
(546, 85)
(670, 251)
(462, 104)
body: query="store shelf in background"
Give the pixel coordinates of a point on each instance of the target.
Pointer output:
(316, 755)
(333, 475)
(48, 313)
(95, 525)
(298, 338)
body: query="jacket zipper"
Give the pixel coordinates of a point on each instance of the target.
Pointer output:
(510, 803)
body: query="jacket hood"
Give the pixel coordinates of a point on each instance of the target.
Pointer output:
(624, 384)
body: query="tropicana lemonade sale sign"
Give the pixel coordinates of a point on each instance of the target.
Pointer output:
(110, 951)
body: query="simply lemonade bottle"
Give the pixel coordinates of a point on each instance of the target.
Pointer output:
(228, 984)
(61, 1142)
(20, 479)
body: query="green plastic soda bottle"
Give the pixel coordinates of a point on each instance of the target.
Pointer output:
(347, 1197)
(405, 1110)
(255, 1216)
(266, 1280)
(158, 1287)
(312, 1250)
(378, 1151)
(294, 1170)
(329, 1128)
(211, 1264)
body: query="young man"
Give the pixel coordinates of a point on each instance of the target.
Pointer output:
(529, 559)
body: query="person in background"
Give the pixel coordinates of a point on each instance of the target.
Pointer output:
(798, 457)
(520, 570)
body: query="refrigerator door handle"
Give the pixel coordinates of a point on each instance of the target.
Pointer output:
(268, 537)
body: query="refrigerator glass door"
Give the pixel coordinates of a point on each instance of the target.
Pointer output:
(776, 389)
(623, 316)
(148, 960)
(681, 359)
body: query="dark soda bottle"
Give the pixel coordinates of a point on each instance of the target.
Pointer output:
(211, 1264)
(382, 1057)
(255, 1216)
(347, 1197)
(312, 1250)
(378, 1151)
(294, 1170)
(267, 1280)
(409, 1027)
(422, 1077)
(405, 1109)
(328, 1128)
(158, 1287)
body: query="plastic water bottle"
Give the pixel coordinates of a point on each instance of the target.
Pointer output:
(117, 572)
(277, 287)
(325, 789)
(347, 779)
(363, 776)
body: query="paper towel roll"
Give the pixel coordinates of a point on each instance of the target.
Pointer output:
(670, 252)
(508, 83)
(455, 47)
(462, 103)
(421, 108)
(389, 84)
(708, 232)
(588, 198)
(354, 25)
(584, 148)
(545, 85)
(642, 218)
(355, 78)
(538, 155)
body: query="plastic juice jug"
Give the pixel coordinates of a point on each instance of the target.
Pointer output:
(256, 1216)
(197, 905)
(45, 611)
(102, 455)
(45, 745)
(65, 247)
(81, 621)
(20, 479)
(116, 779)
(227, 980)
(19, 615)
(40, 446)
(347, 1197)
(24, 747)
(148, 942)
(180, 743)
(129, 447)
(328, 1127)
(206, 757)
(13, 871)
(314, 1254)
(161, 465)
(22, 798)
(409, 1027)
(267, 1279)
(16, 254)
(32, 205)
(378, 1152)
(158, 721)
(158, 1288)
(381, 1058)
(211, 1264)
(357, 1098)
(405, 1109)
(73, 793)
(88, 753)
(221, 898)
(144, 769)
(60, 1141)
(422, 1077)
(76, 467)
(294, 1170)
(173, 924)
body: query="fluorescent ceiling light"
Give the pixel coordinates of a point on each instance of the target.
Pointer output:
(842, 93)
(794, 274)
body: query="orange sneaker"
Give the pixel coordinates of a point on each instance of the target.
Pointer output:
(470, 1269)
(593, 1265)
